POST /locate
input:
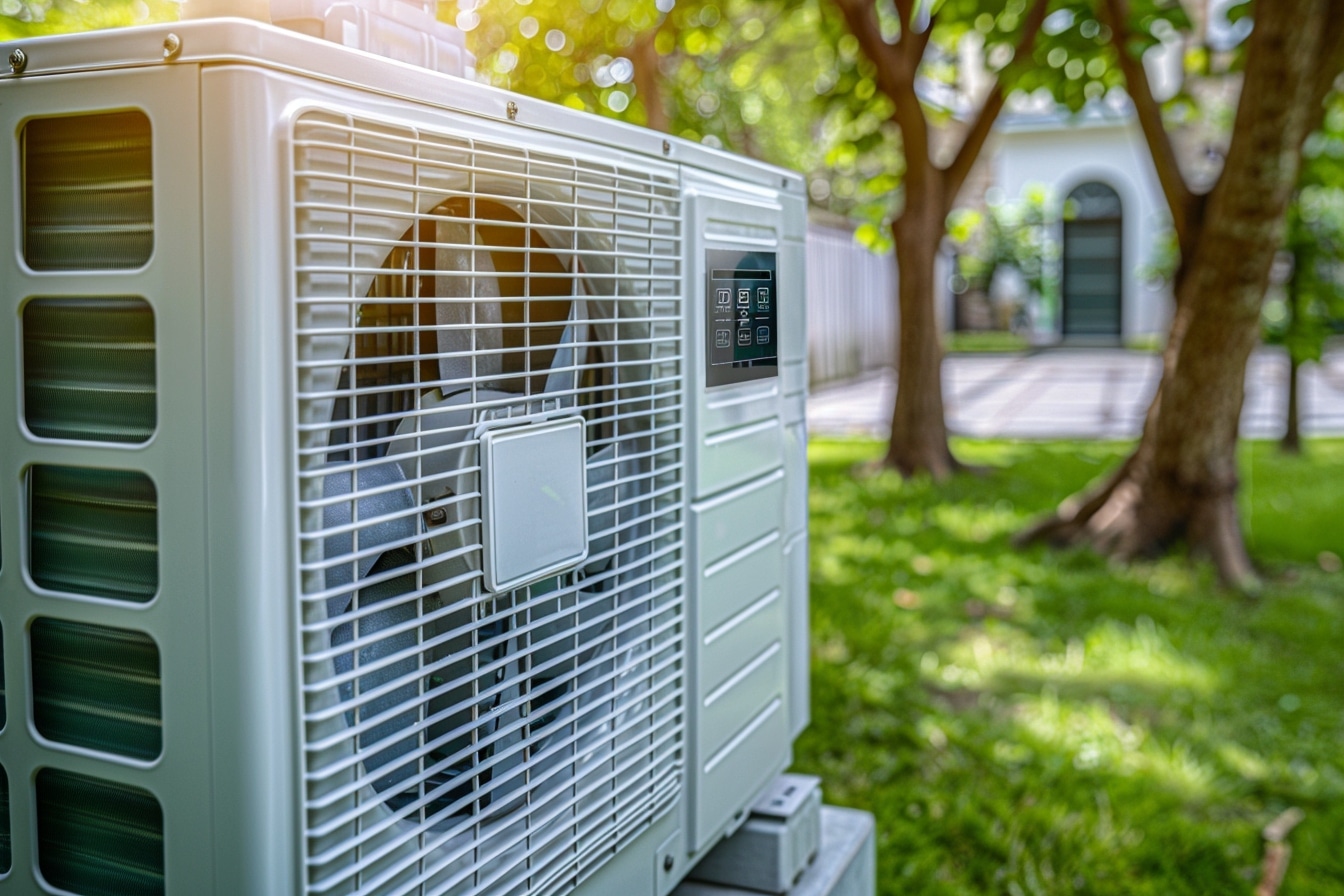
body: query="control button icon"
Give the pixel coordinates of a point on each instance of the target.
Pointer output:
(723, 338)
(744, 337)
(763, 296)
(743, 317)
(762, 335)
(725, 296)
(744, 297)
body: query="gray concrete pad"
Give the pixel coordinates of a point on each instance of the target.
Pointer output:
(1076, 393)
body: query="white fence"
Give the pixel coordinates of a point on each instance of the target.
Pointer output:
(851, 305)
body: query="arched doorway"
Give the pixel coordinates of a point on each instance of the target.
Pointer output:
(1092, 261)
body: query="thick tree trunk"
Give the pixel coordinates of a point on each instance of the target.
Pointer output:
(918, 429)
(1181, 481)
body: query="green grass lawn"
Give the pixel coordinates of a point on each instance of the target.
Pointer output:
(993, 341)
(1044, 722)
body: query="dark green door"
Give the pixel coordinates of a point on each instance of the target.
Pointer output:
(1092, 259)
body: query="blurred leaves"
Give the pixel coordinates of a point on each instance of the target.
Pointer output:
(30, 18)
(1017, 234)
(1310, 307)
(740, 74)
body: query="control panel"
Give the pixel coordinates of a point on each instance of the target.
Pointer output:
(741, 332)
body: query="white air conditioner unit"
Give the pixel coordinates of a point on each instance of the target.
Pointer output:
(404, 484)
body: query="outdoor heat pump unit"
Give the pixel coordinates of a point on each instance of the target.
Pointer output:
(402, 482)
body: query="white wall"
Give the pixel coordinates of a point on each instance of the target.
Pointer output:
(851, 305)
(1064, 155)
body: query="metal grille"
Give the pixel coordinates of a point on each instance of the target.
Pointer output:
(88, 369)
(459, 741)
(94, 531)
(88, 192)
(6, 848)
(98, 837)
(97, 687)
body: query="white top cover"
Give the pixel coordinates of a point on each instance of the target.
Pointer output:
(405, 30)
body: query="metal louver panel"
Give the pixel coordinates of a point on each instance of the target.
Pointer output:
(6, 839)
(457, 741)
(88, 369)
(98, 838)
(88, 193)
(97, 687)
(94, 531)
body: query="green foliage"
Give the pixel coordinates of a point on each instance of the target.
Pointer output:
(1017, 234)
(786, 82)
(578, 54)
(731, 73)
(1076, 63)
(1312, 306)
(1048, 723)
(1072, 62)
(1163, 259)
(31, 18)
(863, 145)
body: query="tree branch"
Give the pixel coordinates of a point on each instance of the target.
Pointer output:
(889, 59)
(895, 66)
(648, 80)
(961, 166)
(1182, 203)
(919, 43)
(906, 10)
(1331, 61)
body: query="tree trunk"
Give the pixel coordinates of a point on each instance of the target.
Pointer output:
(1181, 480)
(1292, 436)
(648, 80)
(918, 428)
(918, 431)
(1292, 432)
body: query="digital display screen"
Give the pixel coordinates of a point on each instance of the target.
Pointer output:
(741, 316)
(744, 274)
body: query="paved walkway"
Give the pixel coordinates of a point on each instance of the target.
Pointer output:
(1076, 393)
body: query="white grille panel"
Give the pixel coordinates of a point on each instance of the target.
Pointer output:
(458, 741)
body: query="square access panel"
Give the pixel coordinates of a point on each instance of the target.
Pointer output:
(534, 507)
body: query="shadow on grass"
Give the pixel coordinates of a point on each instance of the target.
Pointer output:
(1037, 722)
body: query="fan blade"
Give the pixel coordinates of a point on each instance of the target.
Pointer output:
(564, 375)
(473, 325)
(396, 503)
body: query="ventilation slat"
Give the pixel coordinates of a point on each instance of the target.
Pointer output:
(6, 838)
(88, 193)
(97, 687)
(98, 838)
(94, 532)
(89, 369)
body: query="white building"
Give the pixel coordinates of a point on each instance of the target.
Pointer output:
(1100, 161)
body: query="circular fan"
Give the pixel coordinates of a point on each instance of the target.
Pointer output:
(464, 702)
